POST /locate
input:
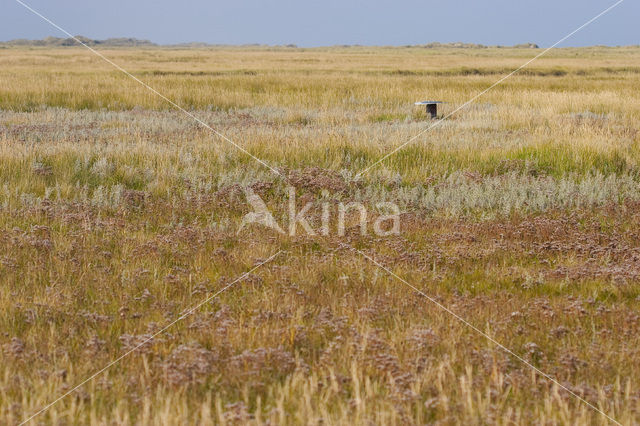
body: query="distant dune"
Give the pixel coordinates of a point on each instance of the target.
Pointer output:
(134, 42)
(461, 45)
(57, 41)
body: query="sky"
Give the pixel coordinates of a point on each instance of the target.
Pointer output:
(329, 22)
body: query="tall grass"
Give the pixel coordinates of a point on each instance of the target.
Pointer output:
(520, 213)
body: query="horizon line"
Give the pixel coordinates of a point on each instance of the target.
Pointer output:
(138, 42)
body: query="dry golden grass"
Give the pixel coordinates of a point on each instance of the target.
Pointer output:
(117, 214)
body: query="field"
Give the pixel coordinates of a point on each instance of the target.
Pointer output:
(119, 213)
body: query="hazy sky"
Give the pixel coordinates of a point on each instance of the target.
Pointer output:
(329, 22)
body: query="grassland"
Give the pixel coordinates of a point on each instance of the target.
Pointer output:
(119, 213)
